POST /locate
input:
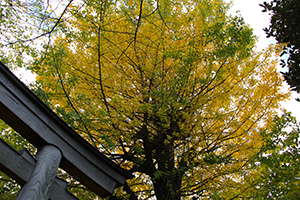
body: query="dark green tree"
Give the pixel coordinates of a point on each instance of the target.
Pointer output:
(285, 27)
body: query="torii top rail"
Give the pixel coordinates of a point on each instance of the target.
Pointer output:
(28, 115)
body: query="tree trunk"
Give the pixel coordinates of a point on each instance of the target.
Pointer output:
(167, 189)
(167, 181)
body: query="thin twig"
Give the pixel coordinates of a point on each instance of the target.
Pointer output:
(47, 33)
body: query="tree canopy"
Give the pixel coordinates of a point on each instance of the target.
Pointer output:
(171, 90)
(285, 27)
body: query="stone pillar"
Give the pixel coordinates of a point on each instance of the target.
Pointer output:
(40, 182)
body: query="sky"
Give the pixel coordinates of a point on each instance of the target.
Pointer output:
(251, 12)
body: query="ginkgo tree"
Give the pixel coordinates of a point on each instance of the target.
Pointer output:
(171, 90)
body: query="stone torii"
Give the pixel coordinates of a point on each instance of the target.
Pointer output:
(58, 146)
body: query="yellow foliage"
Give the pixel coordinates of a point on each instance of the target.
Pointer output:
(170, 89)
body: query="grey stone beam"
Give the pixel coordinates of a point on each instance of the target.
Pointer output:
(20, 166)
(28, 115)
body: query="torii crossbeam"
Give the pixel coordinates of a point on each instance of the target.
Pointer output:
(28, 115)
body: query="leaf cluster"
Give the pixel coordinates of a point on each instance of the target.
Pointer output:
(276, 166)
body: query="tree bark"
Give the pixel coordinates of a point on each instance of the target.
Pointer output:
(167, 189)
(167, 181)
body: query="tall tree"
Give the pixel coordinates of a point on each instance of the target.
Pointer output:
(285, 27)
(171, 90)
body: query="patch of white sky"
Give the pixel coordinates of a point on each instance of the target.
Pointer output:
(55, 8)
(253, 15)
